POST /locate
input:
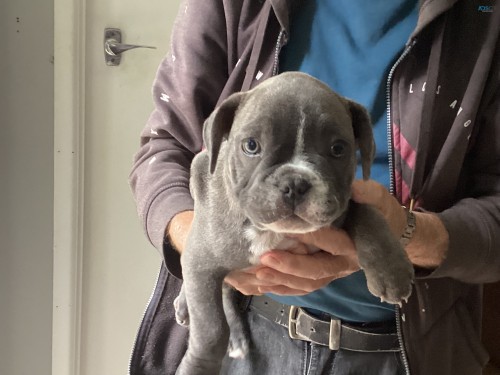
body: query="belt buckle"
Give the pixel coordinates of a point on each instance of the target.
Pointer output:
(334, 339)
(334, 334)
(292, 322)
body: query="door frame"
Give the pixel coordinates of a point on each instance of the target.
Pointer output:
(69, 126)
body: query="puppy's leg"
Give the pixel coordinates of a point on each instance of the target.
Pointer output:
(181, 309)
(208, 328)
(238, 342)
(388, 270)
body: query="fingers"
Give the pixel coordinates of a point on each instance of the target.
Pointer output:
(268, 282)
(246, 282)
(296, 272)
(332, 240)
(283, 290)
(287, 284)
(369, 192)
(285, 273)
(305, 272)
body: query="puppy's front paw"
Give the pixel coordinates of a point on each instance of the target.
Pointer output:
(181, 311)
(391, 281)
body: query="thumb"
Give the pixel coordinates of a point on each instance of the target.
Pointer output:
(359, 191)
(368, 192)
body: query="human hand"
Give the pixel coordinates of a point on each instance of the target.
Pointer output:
(297, 271)
(429, 244)
(372, 193)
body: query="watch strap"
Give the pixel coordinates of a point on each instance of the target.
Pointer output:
(411, 224)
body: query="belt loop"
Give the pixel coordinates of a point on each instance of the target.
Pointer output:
(334, 339)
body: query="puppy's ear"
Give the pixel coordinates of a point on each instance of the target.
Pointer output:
(363, 133)
(217, 126)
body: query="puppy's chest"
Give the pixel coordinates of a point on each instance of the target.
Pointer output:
(263, 241)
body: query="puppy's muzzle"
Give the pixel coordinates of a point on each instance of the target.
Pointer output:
(294, 190)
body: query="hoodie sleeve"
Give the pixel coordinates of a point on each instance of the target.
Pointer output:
(474, 223)
(185, 91)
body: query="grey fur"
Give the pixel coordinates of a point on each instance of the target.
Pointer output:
(245, 203)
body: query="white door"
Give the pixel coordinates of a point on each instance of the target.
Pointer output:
(97, 316)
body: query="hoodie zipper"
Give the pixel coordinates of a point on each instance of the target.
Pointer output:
(277, 52)
(389, 119)
(405, 53)
(142, 322)
(399, 331)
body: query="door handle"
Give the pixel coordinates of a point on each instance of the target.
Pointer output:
(113, 46)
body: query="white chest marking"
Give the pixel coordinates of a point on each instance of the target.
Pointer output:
(263, 241)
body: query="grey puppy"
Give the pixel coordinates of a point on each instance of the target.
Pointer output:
(279, 159)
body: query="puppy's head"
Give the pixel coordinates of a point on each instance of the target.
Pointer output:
(290, 151)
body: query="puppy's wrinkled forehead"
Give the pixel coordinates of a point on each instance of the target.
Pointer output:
(294, 105)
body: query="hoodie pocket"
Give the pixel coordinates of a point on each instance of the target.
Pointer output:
(431, 300)
(451, 346)
(470, 333)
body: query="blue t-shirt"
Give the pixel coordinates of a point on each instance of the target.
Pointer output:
(351, 45)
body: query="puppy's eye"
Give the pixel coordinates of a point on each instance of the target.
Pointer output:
(338, 149)
(251, 147)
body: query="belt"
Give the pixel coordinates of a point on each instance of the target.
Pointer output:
(332, 333)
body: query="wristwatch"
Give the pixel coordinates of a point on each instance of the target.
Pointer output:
(411, 224)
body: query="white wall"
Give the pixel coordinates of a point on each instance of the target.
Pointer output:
(26, 186)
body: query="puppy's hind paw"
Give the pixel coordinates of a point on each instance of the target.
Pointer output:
(238, 349)
(238, 346)
(236, 353)
(181, 312)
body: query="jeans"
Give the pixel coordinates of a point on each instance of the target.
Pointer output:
(273, 352)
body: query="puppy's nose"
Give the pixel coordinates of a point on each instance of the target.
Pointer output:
(294, 189)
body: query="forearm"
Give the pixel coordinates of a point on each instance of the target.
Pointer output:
(473, 254)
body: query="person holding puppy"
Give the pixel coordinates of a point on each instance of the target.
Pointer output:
(436, 176)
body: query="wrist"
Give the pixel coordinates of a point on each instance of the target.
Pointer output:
(178, 229)
(429, 244)
(409, 228)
